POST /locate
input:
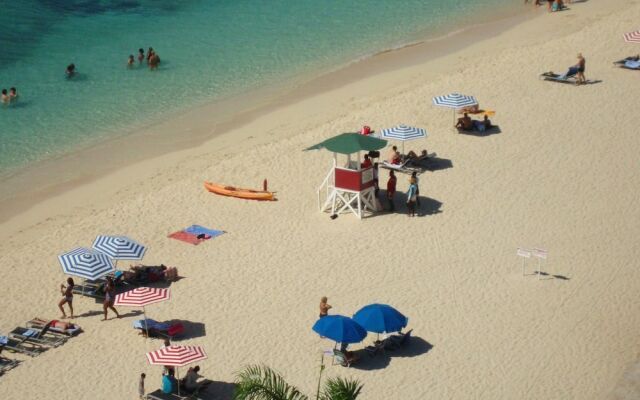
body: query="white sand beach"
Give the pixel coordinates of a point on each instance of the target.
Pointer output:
(562, 175)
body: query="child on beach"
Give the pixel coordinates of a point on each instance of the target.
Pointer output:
(324, 307)
(67, 293)
(411, 197)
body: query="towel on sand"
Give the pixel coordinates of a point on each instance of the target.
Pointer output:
(198, 230)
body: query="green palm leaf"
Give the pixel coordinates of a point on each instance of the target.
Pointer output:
(257, 382)
(341, 389)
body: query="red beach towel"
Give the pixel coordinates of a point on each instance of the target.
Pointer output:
(186, 237)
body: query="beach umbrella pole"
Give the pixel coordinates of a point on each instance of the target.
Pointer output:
(146, 327)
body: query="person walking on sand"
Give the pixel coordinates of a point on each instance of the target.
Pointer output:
(414, 175)
(109, 298)
(580, 80)
(411, 197)
(324, 307)
(391, 191)
(141, 385)
(67, 297)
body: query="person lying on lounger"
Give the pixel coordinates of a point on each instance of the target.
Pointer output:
(465, 123)
(411, 155)
(150, 273)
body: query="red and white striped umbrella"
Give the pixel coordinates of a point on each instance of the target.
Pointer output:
(633, 37)
(177, 356)
(142, 296)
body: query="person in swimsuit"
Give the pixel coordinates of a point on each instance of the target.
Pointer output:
(154, 61)
(130, 61)
(5, 97)
(580, 65)
(324, 307)
(110, 297)
(140, 56)
(150, 53)
(465, 123)
(67, 293)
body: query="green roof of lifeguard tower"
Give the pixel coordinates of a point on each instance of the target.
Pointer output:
(349, 143)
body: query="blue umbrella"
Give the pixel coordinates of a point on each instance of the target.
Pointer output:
(380, 318)
(119, 247)
(340, 329)
(403, 133)
(86, 263)
(455, 101)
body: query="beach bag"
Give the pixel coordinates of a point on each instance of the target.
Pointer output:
(366, 130)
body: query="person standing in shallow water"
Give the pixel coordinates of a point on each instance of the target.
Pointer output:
(5, 97)
(140, 56)
(130, 61)
(324, 307)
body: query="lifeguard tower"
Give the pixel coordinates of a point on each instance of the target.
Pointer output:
(348, 187)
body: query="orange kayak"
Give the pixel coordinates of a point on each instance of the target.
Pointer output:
(238, 192)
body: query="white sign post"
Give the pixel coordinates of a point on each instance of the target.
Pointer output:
(540, 254)
(524, 254)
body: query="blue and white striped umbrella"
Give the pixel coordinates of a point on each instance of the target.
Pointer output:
(404, 133)
(86, 263)
(119, 247)
(455, 100)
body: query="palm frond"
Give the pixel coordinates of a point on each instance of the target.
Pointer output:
(257, 382)
(341, 389)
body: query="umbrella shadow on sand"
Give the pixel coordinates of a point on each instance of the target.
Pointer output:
(191, 329)
(416, 347)
(218, 390)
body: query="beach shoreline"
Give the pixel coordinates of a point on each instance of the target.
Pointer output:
(34, 184)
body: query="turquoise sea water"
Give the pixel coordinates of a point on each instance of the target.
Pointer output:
(209, 49)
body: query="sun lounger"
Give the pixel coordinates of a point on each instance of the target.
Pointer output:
(405, 167)
(40, 323)
(6, 363)
(18, 346)
(159, 395)
(340, 358)
(397, 341)
(635, 65)
(158, 329)
(37, 336)
(621, 63)
(553, 77)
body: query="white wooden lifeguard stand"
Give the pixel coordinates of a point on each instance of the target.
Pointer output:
(348, 188)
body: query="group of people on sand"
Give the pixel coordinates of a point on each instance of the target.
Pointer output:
(552, 5)
(9, 97)
(467, 124)
(67, 297)
(152, 58)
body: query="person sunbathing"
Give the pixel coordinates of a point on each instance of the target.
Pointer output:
(470, 109)
(150, 273)
(411, 155)
(465, 123)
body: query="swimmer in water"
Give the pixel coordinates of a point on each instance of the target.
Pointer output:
(154, 60)
(5, 97)
(13, 95)
(71, 70)
(150, 53)
(140, 55)
(131, 61)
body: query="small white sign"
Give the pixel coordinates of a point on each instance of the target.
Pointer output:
(523, 253)
(540, 253)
